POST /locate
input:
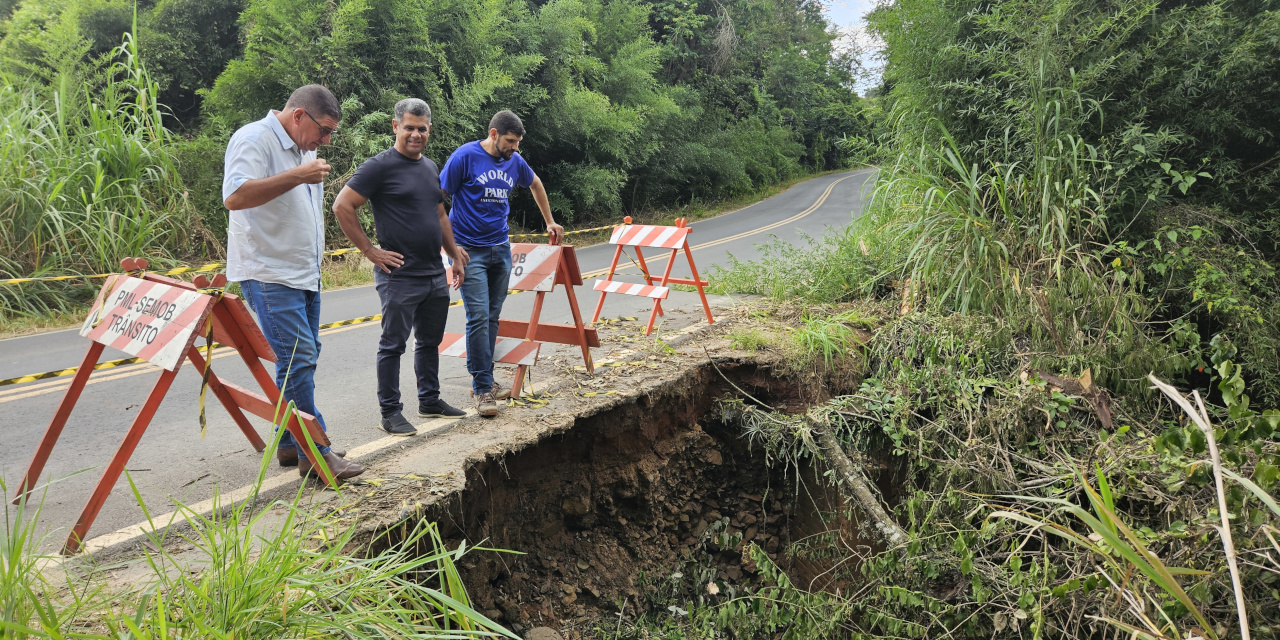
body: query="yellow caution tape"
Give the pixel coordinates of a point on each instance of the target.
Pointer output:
(535, 400)
(125, 361)
(343, 323)
(67, 372)
(611, 363)
(592, 394)
(567, 233)
(214, 266)
(204, 268)
(208, 365)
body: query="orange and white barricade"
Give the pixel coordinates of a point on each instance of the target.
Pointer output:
(654, 237)
(158, 319)
(538, 268)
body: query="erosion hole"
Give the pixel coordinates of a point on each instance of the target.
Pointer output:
(643, 504)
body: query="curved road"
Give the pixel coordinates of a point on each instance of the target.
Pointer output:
(172, 462)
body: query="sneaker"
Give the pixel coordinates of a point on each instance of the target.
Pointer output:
(396, 425)
(486, 405)
(439, 409)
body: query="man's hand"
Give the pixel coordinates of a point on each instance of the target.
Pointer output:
(387, 260)
(463, 257)
(259, 191)
(556, 231)
(312, 172)
(456, 272)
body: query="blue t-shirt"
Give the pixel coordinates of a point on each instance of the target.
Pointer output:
(480, 186)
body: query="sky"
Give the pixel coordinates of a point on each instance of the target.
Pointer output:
(847, 15)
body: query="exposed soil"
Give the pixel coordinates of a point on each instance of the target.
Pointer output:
(645, 497)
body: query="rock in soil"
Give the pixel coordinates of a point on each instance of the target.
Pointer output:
(543, 633)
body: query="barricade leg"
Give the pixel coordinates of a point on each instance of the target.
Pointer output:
(116, 466)
(531, 335)
(697, 283)
(268, 385)
(612, 268)
(666, 275)
(577, 319)
(228, 403)
(59, 421)
(648, 279)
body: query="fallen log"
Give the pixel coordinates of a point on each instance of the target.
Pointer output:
(858, 487)
(820, 442)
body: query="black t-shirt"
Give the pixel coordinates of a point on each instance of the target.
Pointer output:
(404, 195)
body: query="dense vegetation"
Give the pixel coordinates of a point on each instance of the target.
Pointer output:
(1085, 194)
(630, 105)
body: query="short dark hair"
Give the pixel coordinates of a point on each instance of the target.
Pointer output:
(505, 122)
(316, 100)
(412, 106)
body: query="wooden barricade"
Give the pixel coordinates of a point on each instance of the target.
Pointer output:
(158, 319)
(538, 268)
(654, 237)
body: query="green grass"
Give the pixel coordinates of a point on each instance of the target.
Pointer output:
(255, 575)
(748, 339)
(831, 337)
(850, 264)
(85, 179)
(31, 603)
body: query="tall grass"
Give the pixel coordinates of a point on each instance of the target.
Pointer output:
(293, 579)
(982, 230)
(86, 178)
(249, 575)
(253, 579)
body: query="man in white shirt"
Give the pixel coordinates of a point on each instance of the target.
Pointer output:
(273, 186)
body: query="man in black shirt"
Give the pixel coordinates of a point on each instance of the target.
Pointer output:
(403, 188)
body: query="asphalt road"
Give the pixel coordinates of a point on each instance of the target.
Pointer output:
(172, 462)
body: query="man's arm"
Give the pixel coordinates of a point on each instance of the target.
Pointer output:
(257, 192)
(540, 197)
(460, 257)
(344, 207)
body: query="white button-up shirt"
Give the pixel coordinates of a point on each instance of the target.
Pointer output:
(281, 241)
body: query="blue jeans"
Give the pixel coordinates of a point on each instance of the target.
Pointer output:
(290, 319)
(484, 289)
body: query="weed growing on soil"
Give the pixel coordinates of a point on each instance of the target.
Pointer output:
(349, 270)
(833, 337)
(748, 339)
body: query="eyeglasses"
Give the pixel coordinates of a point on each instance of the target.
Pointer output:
(324, 131)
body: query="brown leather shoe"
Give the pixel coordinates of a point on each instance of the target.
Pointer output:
(341, 468)
(289, 457)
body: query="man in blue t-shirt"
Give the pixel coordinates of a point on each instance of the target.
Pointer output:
(403, 188)
(479, 177)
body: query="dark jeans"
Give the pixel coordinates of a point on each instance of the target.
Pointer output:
(420, 303)
(290, 319)
(484, 289)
